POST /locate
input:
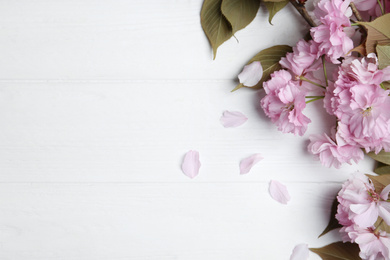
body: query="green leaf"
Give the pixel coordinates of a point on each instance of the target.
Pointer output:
(379, 182)
(383, 52)
(382, 157)
(338, 251)
(269, 59)
(216, 27)
(382, 168)
(378, 32)
(333, 222)
(240, 13)
(274, 7)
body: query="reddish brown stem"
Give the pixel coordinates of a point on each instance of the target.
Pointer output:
(302, 10)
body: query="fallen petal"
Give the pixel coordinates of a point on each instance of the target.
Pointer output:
(232, 118)
(191, 164)
(279, 192)
(247, 163)
(300, 252)
(251, 74)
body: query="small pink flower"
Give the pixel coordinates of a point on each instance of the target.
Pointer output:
(303, 59)
(366, 121)
(363, 204)
(373, 244)
(334, 151)
(330, 35)
(284, 103)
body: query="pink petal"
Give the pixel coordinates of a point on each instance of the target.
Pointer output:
(251, 74)
(232, 118)
(300, 252)
(191, 164)
(279, 192)
(385, 192)
(247, 163)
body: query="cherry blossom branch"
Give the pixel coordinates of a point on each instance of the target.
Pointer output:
(302, 10)
(312, 82)
(356, 12)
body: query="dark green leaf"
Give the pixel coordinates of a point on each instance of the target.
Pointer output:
(269, 59)
(382, 157)
(338, 251)
(378, 32)
(382, 168)
(274, 7)
(333, 222)
(383, 52)
(216, 27)
(380, 181)
(240, 13)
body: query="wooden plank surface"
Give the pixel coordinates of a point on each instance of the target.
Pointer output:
(100, 100)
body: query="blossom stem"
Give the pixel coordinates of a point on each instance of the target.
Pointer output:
(324, 68)
(314, 99)
(380, 5)
(302, 10)
(356, 12)
(311, 82)
(376, 230)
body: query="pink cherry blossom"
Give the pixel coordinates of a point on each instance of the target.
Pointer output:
(333, 40)
(303, 59)
(366, 121)
(284, 103)
(373, 244)
(334, 151)
(362, 203)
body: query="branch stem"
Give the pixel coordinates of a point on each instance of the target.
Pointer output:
(302, 10)
(312, 82)
(356, 12)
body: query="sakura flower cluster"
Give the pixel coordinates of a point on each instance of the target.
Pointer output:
(361, 211)
(353, 93)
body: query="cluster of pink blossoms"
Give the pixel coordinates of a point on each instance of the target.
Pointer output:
(354, 94)
(360, 207)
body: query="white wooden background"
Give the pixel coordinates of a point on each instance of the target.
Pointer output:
(100, 100)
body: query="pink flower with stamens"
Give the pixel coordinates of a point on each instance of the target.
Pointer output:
(363, 204)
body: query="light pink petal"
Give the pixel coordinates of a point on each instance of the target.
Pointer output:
(300, 252)
(232, 118)
(385, 192)
(247, 163)
(191, 164)
(384, 211)
(251, 74)
(279, 192)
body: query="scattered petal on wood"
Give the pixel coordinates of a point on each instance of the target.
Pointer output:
(251, 74)
(247, 163)
(191, 164)
(279, 192)
(300, 252)
(232, 119)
